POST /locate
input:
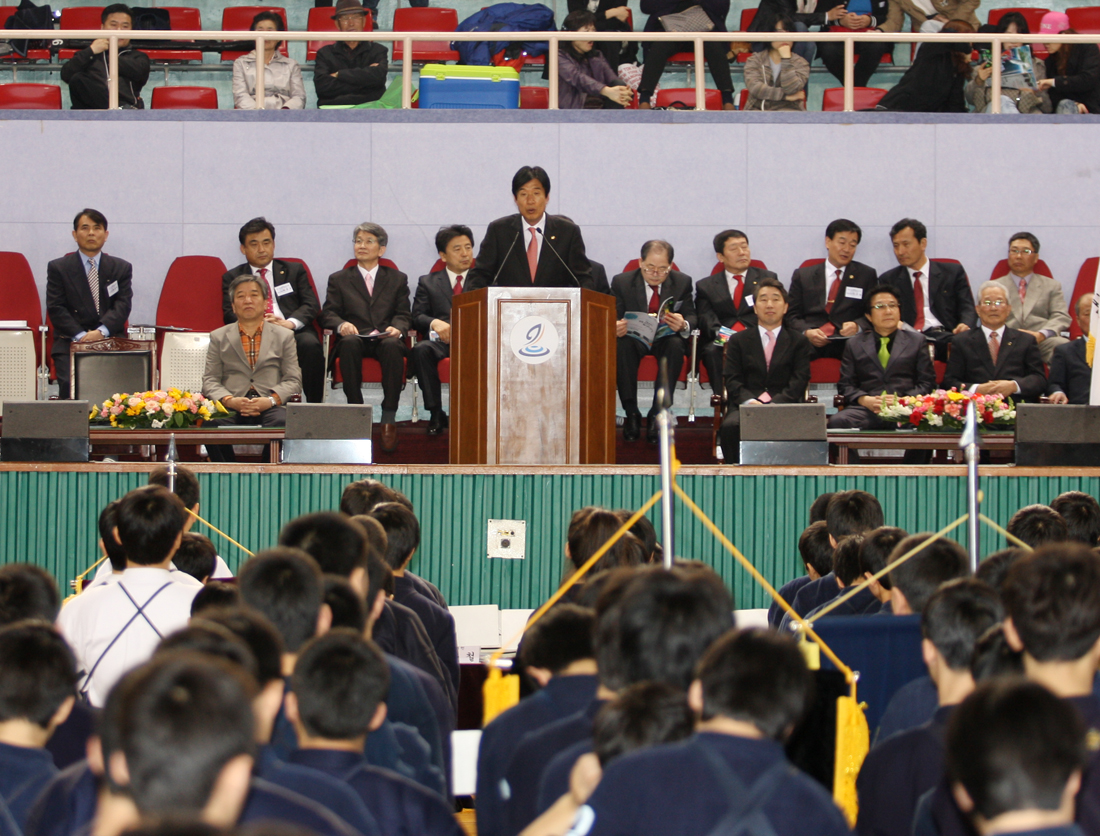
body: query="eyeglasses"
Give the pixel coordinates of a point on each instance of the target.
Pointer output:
(655, 271)
(1025, 251)
(993, 303)
(885, 306)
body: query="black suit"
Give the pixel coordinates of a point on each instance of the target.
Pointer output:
(947, 292)
(72, 309)
(296, 300)
(630, 292)
(809, 292)
(432, 301)
(714, 306)
(748, 376)
(1070, 372)
(599, 274)
(1017, 359)
(909, 371)
(346, 300)
(505, 244)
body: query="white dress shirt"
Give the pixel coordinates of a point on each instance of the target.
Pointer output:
(454, 277)
(275, 308)
(221, 572)
(764, 334)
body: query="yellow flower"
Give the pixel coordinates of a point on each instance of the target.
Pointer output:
(180, 407)
(218, 406)
(956, 396)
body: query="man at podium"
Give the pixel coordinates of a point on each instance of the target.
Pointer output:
(532, 248)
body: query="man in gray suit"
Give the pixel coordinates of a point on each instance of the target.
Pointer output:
(884, 359)
(1038, 305)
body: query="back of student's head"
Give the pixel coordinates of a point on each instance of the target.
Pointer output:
(957, 615)
(37, 672)
(187, 483)
(560, 638)
(1082, 515)
(150, 519)
(1053, 598)
(938, 562)
(180, 719)
(641, 715)
(347, 607)
(259, 635)
(196, 556)
(645, 532)
(591, 527)
(339, 680)
(211, 639)
(214, 595)
(1013, 746)
(846, 564)
(852, 512)
(27, 591)
(994, 567)
(337, 543)
(815, 549)
(402, 532)
(286, 586)
(757, 677)
(1038, 524)
(361, 496)
(994, 656)
(108, 521)
(819, 506)
(377, 541)
(878, 545)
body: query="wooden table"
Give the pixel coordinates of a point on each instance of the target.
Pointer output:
(193, 437)
(845, 440)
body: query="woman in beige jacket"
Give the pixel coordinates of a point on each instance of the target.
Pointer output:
(283, 87)
(775, 78)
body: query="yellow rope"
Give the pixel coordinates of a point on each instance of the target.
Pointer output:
(222, 533)
(88, 571)
(1012, 538)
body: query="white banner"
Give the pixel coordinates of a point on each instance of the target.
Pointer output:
(1090, 351)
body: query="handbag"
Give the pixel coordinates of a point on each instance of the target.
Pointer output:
(691, 19)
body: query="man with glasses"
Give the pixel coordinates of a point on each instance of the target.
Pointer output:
(654, 288)
(879, 363)
(350, 72)
(1000, 360)
(1038, 306)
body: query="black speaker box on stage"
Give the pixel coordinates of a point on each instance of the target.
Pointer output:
(784, 434)
(327, 434)
(45, 431)
(1057, 435)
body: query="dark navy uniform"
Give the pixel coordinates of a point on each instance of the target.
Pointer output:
(66, 804)
(270, 802)
(69, 742)
(555, 778)
(787, 593)
(811, 596)
(400, 632)
(912, 705)
(24, 773)
(439, 623)
(862, 603)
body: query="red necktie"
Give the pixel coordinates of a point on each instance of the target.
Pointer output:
(533, 254)
(458, 284)
(269, 307)
(994, 347)
(834, 289)
(655, 300)
(738, 294)
(918, 298)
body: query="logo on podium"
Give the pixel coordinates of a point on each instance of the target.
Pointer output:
(534, 339)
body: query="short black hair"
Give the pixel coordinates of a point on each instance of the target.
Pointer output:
(214, 595)
(843, 225)
(447, 234)
(149, 521)
(114, 9)
(402, 532)
(994, 656)
(819, 505)
(377, 541)
(528, 173)
(1025, 236)
(286, 586)
(280, 25)
(878, 545)
(258, 633)
(339, 679)
(576, 19)
(1081, 512)
(1013, 745)
(187, 483)
(361, 496)
(920, 231)
(757, 677)
(918, 577)
(641, 715)
(722, 237)
(347, 607)
(379, 578)
(108, 521)
(1013, 17)
(338, 544)
(37, 672)
(560, 638)
(852, 512)
(1038, 524)
(27, 591)
(196, 556)
(260, 224)
(768, 281)
(211, 639)
(94, 215)
(658, 244)
(846, 565)
(994, 567)
(1053, 598)
(815, 549)
(878, 289)
(642, 529)
(957, 615)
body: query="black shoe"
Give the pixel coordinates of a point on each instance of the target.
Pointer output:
(632, 426)
(651, 434)
(438, 423)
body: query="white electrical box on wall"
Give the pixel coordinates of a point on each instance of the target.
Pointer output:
(508, 539)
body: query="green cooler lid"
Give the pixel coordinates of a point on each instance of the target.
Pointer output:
(444, 71)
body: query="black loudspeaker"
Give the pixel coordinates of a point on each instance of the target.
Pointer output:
(1057, 435)
(784, 434)
(45, 431)
(328, 434)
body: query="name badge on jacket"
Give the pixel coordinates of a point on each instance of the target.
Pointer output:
(853, 293)
(112, 288)
(283, 289)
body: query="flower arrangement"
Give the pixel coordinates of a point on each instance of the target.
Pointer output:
(171, 409)
(945, 409)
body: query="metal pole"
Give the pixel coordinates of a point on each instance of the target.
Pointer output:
(995, 79)
(552, 71)
(173, 455)
(261, 68)
(969, 443)
(664, 427)
(43, 388)
(700, 77)
(849, 73)
(406, 72)
(693, 374)
(112, 64)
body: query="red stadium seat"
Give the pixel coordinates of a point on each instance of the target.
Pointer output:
(78, 17)
(825, 370)
(1086, 283)
(425, 19)
(239, 18)
(191, 296)
(320, 20)
(30, 97)
(181, 19)
(747, 16)
(185, 98)
(20, 300)
(865, 97)
(534, 98)
(32, 54)
(743, 98)
(666, 96)
(1084, 19)
(1033, 15)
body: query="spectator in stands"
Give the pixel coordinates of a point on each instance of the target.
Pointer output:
(657, 53)
(827, 300)
(776, 78)
(610, 16)
(763, 365)
(1036, 304)
(653, 287)
(585, 79)
(1070, 374)
(1037, 525)
(861, 16)
(1016, 94)
(874, 556)
(283, 87)
(932, 15)
(1082, 515)
(87, 72)
(998, 359)
(1073, 70)
(350, 72)
(803, 15)
(934, 83)
(915, 580)
(816, 558)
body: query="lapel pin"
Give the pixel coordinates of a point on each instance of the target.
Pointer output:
(553, 237)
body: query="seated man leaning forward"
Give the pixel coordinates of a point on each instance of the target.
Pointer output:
(881, 362)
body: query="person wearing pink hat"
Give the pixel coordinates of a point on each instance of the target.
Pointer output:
(1073, 69)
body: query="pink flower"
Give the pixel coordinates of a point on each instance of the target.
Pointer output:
(194, 409)
(187, 402)
(167, 409)
(115, 410)
(135, 402)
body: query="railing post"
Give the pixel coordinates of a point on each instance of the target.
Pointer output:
(406, 72)
(995, 87)
(261, 68)
(849, 75)
(700, 77)
(112, 82)
(552, 71)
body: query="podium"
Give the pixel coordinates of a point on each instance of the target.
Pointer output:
(532, 376)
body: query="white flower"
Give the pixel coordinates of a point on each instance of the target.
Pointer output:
(158, 424)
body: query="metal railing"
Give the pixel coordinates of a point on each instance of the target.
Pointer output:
(697, 39)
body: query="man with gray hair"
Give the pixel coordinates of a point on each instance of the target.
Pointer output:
(367, 305)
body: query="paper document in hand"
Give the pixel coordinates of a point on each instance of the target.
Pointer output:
(373, 335)
(641, 326)
(1014, 62)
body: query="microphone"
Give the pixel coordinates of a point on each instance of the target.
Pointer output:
(546, 240)
(503, 260)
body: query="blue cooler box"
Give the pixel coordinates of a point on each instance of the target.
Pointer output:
(446, 86)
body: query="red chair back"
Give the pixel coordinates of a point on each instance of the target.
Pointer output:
(1084, 19)
(191, 296)
(534, 98)
(865, 97)
(425, 19)
(439, 265)
(185, 98)
(1085, 284)
(30, 97)
(320, 20)
(747, 16)
(385, 262)
(181, 19)
(239, 19)
(20, 300)
(78, 17)
(825, 370)
(666, 96)
(32, 54)
(743, 98)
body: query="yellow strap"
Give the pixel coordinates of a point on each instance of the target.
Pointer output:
(1012, 538)
(88, 571)
(222, 533)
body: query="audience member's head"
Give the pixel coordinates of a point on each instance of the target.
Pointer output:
(26, 592)
(377, 541)
(37, 675)
(215, 595)
(558, 640)
(347, 606)
(591, 527)
(1081, 513)
(913, 582)
(187, 486)
(529, 173)
(994, 656)
(211, 639)
(816, 550)
(1014, 22)
(819, 506)
(878, 545)
(846, 564)
(150, 525)
(108, 541)
(361, 496)
(645, 532)
(1038, 524)
(994, 567)
(852, 512)
(259, 635)
(957, 615)
(287, 587)
(338, 544)
(641, 715)
(402, 533)
(196, 556)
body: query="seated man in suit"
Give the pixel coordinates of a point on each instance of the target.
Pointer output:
(647, 289)
(1001, 360)
(1070, 375)
(1038, 304)
(431, 314)
(726, 298)
(935, 297)
(764, 364)
(883, 359)
(291, 301)
(551, 252)
(828, 300)
(88, 293)
(368, 306)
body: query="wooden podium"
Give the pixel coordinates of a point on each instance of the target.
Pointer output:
(532, 376)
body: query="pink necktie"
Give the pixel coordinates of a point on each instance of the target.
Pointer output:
(994, 346)
(269, 308)
(370, 285)
(533, 254)
(918, 298)
(1023, 289)
(769, 347)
